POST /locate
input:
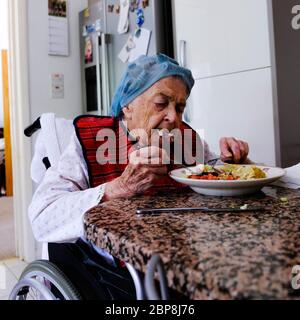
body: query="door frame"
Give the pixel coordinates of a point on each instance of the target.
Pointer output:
(6, 113)
(20, 116)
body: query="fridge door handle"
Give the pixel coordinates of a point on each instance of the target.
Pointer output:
(182, 62)
(105, 74)
(182, 53)
(99, 82)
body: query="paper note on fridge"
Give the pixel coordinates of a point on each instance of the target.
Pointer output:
(141, 44)
(125, 52)
(124, 18)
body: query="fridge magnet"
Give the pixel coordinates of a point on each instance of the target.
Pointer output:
(58, 30)
(145, 4)
(84, 32)
(110, 8)
(117, 9)
(140, 20)
(134, 4)
(90, 28)
(88, 52)
(98, 25)
(124, 17)
(86, 13)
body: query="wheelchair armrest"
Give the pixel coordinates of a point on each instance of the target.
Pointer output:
(154, 264)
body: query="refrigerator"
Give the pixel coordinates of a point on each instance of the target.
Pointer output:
(101, 44)
(230, 58)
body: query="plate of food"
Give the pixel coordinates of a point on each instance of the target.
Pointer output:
(227, 179)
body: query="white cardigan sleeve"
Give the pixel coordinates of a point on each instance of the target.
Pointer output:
(58, 205)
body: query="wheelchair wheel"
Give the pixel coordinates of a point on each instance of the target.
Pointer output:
(42, 280)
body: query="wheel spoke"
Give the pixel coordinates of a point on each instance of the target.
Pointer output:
(34, 294)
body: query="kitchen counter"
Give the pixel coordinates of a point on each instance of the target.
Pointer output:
(248, 255)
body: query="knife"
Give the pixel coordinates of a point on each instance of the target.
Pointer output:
(197, 209)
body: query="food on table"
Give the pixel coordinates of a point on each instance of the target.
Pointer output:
(229, 172)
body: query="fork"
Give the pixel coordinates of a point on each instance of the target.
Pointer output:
(212, 163)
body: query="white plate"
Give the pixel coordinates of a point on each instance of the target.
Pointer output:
(224, 187)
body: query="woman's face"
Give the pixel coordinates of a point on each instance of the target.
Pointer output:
(160, 107)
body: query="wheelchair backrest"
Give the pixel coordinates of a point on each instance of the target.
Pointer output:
(53, 137)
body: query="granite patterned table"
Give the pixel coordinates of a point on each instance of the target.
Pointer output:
(247, 255)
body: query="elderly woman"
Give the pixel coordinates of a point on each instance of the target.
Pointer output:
(152, 95)
(115, 157)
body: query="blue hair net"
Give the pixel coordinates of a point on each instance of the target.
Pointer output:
(142, 74)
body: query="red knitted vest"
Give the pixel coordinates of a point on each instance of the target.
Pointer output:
(88, 128)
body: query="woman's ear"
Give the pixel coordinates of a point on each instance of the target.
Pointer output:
(127, 111)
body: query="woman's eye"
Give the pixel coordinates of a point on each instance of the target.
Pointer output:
(161, 104)
(180, 110)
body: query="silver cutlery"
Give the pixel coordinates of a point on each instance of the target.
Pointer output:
(198, 209)
(212, 163)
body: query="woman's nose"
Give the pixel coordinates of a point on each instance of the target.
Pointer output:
(172, 115)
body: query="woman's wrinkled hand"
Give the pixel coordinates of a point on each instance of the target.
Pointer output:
(145, 167)
(233, 150)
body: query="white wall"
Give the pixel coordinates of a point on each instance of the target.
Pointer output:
(41, 65)
(3, 25)
(3, 45)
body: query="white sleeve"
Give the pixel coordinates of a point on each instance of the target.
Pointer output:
(58, 205)
(208, 155)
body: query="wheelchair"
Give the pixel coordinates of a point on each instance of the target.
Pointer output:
(75, 271)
